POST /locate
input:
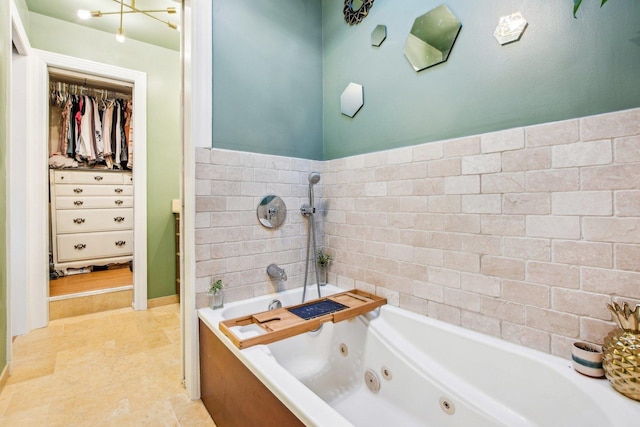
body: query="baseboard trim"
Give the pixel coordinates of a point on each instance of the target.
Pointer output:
(157, 302)
(4, 376)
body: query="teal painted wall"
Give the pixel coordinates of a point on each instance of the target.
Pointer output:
(561, 68)
(5, 67)
(267, 78)
(163, 126)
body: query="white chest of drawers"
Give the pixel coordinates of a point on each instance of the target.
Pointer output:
(91, 218)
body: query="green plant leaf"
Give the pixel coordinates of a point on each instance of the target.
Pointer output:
(216, 286)
(577, 3)
(576, 6)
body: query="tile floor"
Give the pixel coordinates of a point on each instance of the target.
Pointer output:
(114, 368)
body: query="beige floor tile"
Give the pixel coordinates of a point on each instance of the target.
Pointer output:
(52, 330)
(190, 413)
(32, 367)
(48, 389)
(118, 367)
(158, 414)
(36, 416)
(5, 398)
(74, 381)
(85, 325)
(31, 394)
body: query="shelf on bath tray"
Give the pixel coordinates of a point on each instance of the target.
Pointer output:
(289, 321)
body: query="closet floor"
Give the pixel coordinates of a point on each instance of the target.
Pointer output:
(115, 368)
(96, 280)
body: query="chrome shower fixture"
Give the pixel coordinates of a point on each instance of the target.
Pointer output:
(308, 210)
(276, 272)
(314, 178)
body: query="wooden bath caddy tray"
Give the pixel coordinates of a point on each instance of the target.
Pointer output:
(289, 321)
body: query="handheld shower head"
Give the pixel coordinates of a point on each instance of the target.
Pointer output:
(314, 178)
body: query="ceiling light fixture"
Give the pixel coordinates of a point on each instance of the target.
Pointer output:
(120, 35)
(85, 14)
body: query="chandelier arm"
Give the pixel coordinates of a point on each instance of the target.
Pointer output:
(121, 10)
(100, 13)
(134, 9)
(126, 12)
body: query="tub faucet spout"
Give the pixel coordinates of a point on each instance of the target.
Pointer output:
(276, 272)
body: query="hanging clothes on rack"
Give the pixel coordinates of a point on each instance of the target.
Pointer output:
(95, 127)
(107, 119)
(128, 129)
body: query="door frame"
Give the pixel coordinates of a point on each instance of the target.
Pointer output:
(196, 52)
(39, 188)
(197, 129)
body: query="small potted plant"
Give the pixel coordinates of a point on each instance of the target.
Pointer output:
(323, 259)
(216, 295)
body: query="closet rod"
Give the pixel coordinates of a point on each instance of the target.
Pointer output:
(86, 79)
(74, 89)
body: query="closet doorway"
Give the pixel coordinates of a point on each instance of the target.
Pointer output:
(97, 207)
(28, 255)
(91, 189)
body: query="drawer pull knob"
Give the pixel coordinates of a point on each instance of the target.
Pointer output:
(78, 203)
(77, 190)
(78, 220)
(118, 190)
(119, 202)
(118, 218)
(79, 246)
(97, 178)
(120, 243)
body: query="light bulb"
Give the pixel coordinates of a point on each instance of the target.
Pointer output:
(84, 14)
(120, 36)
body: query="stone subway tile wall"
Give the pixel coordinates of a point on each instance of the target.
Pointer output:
(230, 242)
(523, 234)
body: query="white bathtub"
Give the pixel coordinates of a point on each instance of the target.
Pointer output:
(430, 374)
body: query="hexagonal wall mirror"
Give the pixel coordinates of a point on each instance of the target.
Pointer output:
(351, 100)
(378, 35)
(510, 28)
(431, 38)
